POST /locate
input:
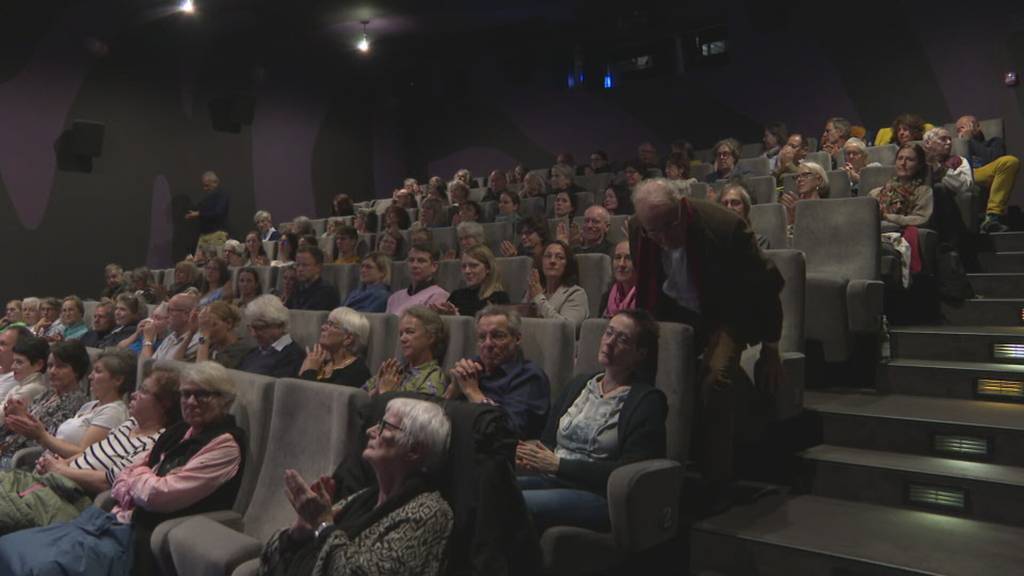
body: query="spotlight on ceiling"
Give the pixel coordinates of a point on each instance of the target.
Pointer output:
(187, 6)
(364, 43)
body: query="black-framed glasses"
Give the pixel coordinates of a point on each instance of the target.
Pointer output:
(199, 394)
(385, 425)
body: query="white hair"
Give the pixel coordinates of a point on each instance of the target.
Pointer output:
(211, 376)
(424, 424)
(655, 191)
(857, 143)
(474, 229)
(261, 215)
(934, 134)
(823, 188)
(353, 322)
(211, 175)
(267, 309)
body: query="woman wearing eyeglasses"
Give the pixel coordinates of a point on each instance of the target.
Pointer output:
(337, 355)
(194, 467)
(811, 184)
(400, 525)
(600, 422)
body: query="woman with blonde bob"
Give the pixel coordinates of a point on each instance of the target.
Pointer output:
(483, 284)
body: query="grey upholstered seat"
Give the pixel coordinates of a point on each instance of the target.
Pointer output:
(821, 158)
(344, 277)
(759, 166)
(497, 232)
(769, 220)
(550, 344)
(873, 177)
(399, 276)
(533, 206)
(762, 189)
(383, 334)
(751, 150)
(449, 274)
(839, 184)
(515, 275)
(700, 171)
(595, 183)
(304, 326)
(595, 276)
(884, 154)
(840, 239)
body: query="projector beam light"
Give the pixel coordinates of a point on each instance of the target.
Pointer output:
(364, 42)
(187, 6)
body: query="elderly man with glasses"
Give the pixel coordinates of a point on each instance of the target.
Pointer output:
(698, 263)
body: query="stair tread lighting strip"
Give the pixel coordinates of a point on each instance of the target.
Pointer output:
(961, 445)
(1000, 388)
(937, 496)
(1008, 351)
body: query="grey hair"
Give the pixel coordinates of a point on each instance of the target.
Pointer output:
(474, 229)
(534, 177)
(353, 322)
(121, 364)
(656, 191)
(562, 170)
(823, 190)
(434, 326)
(261, 215)
(841, 124)
(211, 376)
(858, 144)
(933, 134)
(515, 321)
(232, 245)
(30, 302)
(424, 424)
(267, 309)
(210, 174)
(741, 189)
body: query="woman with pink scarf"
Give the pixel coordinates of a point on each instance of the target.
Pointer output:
(622, 294)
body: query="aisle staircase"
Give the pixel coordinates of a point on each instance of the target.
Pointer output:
(923, 474)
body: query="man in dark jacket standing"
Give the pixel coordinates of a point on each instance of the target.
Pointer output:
(697, 263)
(212, 213)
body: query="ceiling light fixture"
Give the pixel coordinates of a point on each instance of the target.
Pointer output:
(187, 6)
(364, 43)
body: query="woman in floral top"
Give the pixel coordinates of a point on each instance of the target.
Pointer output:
(423, 340)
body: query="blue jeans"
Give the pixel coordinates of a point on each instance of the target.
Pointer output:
(552, 502)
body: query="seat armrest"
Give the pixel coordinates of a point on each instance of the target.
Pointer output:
(104, 501)
(865, 302)
(26, 457)
(643, 503)
(202, 545)
(159, 544)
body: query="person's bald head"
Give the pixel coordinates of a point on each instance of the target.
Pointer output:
(179, 308)
(967, 126)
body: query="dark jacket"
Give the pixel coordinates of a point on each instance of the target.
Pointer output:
(314, 296)
(641, 433)
(213, 212)
(982, 151)
(737, 286)
(278, 364)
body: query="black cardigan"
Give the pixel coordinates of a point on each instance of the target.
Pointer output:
(642, 433)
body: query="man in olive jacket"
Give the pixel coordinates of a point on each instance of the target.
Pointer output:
(698, 263)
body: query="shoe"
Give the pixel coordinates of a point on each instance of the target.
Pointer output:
(992, 225)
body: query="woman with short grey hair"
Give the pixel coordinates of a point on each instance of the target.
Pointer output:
(276, 354)
(337, 356)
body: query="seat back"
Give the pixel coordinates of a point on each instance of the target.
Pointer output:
(267, 276)
(311, 450)
(304, 326)
(595, 276)
(839, 236)
(759, 166)
(595, 183)
(319, 225)
(769, 220)
(789, 183)
(884, 155)
(699, 190)
(820, 158)
(496, 232)
(515, 275)
(461, 339)
(399, 276)
(700, 171)
(991, 128)
(550, 344)
(445, 238)
(533, 206)
(584, 200)
(254, 401)
(449, 274)
(751, 150)
(762, 189)
(676, 376)
(383, 335)
(839, 184)
(90, 307)
(793, 268)
(874, 177)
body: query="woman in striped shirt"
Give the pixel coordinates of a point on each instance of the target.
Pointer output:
(60, 488)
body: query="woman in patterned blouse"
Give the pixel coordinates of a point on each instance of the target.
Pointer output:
(423, 341)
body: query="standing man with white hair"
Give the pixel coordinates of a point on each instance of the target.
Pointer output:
(212, 213)
(698, 263)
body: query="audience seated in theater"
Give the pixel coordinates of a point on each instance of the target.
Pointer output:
(180, 340)
(400, 525)
(275, 353)
(247, 287)
(159, 319)
(68, 364)
(311, 293)
(8, 338)
(677, 171)
(906, 200)
(905, 128)
(404, 199)
(30, 311)
(342, 206)
(775, 135)
(647, 160)
(468, 234)
(593, 238)
(730, 295)
(463, 175)
(621, 295)
(72, 313)
(534, 186)
(993, 168)
(203, 256)
(553, 289)
(186, 277)
(102, 324)
(28, 366)
(218, 282)
(601, 422)
(533, 236)
(501, 375)
(346, 245)
(423, 340)
(632, 174)
(470, 211)
(265, 226)
(59, 489)
(567, 160)
(289, 283)
(598, 164)
(111, 378)
(203, 455)
(412, 186)
(422, 291)
(727, 154)
(234, 253)
(433, 213)
(482, 284)
(517, 175)
(396, 218)
(391, 244)
(49, 319)
(565, 204)
(736, 198)
(420, 235)
(128, 311)
(114, 275)
(837, 132)
(307, 240)
(218, 341)
(497, 183)
(811, 184)
(12, 314)
(436, 188)
(302, 226)
(561, 181)
(337, 357)
(374, 285)
(790, 156)
(856, 152)
(950, 176)
(617, 200)
(508, 208)
(143, 285)
(366, 222)
(332, 227)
